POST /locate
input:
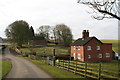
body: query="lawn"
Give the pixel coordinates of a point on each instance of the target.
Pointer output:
(5, 67)
(55, 72)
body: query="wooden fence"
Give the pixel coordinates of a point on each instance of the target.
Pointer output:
(91, 70)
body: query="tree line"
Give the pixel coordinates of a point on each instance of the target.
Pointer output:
(20, 32)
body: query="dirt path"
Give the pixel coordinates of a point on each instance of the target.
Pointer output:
(22, 68)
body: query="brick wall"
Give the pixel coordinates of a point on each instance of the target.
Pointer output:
(93, 53)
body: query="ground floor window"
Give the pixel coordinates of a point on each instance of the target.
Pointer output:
(99, 55)
(107, 55)
(74, 47)
(79, 56)
(74, 55)
(89, 56)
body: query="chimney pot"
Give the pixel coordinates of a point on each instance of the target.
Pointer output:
(87, 30)
(85, 34)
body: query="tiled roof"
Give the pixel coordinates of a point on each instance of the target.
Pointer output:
(81, 42)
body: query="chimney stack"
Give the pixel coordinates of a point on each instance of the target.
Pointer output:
(85, 34)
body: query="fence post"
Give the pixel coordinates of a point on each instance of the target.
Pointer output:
(118, 68)
(75, 66)
(63, 63)
(68, 64)
(59, 63)
(44, 57)
(85, 69)
(99, 73)
(53, 57)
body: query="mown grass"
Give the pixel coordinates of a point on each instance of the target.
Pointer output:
(55, 72)
(6, 67)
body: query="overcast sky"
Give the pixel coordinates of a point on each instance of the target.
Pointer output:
(52, 12)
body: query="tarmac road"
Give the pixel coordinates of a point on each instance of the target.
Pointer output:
(22, 68)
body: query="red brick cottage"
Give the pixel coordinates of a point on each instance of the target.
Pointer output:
(90, 49)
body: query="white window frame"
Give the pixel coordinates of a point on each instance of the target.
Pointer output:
(74, 54)
(99, 55)
(89, 56)
(97, 47)
(79, 56)
(89, 48)
(74, 48)
(78, 47)
(107, 55)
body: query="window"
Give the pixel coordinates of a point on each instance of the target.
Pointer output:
(98, 47)
(88, 47)
(74, 55)
(100, 56)
(79, 56)
(89, 56)
(107, 55)
(78, 47)
(74, 47)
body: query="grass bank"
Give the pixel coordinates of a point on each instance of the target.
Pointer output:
(5, 67)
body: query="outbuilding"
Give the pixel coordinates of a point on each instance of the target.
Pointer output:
(38, 40)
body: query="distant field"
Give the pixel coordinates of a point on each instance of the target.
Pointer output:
(115, 44)
(63, 50)
(46, 50)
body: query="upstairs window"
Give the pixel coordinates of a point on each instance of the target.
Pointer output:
(97, 47)
(88, 47)
(107, 55)
(99, 55)
(78, 47)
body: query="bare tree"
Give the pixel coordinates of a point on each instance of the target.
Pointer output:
(44, 31)
(63, 33)
(103, 8)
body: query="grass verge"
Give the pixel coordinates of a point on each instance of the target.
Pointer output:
(6, 67)
(55, 72)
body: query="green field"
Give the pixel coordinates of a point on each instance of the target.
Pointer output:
(5, 67)
(45, 50)
(63, 50)
(115, 44)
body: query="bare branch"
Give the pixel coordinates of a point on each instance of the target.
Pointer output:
(107, 8)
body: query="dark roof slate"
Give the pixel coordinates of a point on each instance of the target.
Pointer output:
(81, 42)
